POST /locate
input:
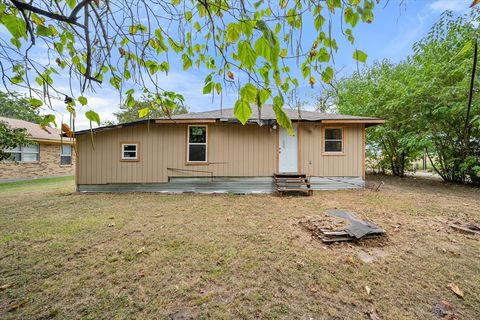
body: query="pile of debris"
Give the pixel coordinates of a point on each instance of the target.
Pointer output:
(470, 228)
(350, 228)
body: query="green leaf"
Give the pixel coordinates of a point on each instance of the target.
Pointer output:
(248, 92)
(351, 17)
(197, 26)
(246, 54)
(53, 30)
(58, 46)
(323, 55)
(130, 101)
(16, 25)
(208, 88)
(174, 45)
(466, 48)
(83, 101)
(16, 42)
(327, 75)
(71, 3)
(233, 32)
(35, 103)
(242, 111)
(331, 5)
(92, 116)
(218, 87)
(115, 81)
(42, 31)
(142, 113)
(264, 95)
(318, 22)
(262, 48)
(360, 56)
(16, 80)
(247, 27)
(280, 114)
(48, 119)
(306, 71)
(187, 62)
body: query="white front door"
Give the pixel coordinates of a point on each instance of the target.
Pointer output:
(287, 150)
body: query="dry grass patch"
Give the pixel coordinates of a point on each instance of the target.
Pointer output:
(68, 255)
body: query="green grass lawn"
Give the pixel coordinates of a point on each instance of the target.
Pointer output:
(42, 183)
(65, 255)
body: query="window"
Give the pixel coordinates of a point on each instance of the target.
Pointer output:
(25, 153)
(15, 153)
(197, 144)
(66, 154)
(333, 140)
(129, 151)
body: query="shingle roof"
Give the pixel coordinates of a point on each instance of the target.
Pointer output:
(33, 129)
(267, 113)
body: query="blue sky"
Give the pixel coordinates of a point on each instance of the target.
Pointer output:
(395, 28)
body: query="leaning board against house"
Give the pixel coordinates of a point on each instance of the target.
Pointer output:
(49, 155)
(211, 152)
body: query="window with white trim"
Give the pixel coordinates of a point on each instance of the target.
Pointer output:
(197, 144)
(25, 153)
(129, 151)
(66, 154)
(333, 140)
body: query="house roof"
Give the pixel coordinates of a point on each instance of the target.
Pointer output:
(34, 130)
(267, 113)
(267, 116)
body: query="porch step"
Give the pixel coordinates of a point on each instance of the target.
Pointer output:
(292, 182)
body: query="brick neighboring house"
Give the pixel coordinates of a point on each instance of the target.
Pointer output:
(47, 156)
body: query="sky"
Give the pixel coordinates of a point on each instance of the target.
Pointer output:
(396, 27)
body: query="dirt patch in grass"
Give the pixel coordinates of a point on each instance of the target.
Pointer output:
(68, 255)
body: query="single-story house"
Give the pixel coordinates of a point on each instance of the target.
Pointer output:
(212, 152)
(48, 155)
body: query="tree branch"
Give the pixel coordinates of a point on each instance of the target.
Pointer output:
(26, 6)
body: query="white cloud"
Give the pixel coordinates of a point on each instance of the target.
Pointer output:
(453, 5)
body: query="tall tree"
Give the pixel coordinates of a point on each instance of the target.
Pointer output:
(248, 46)
(17, 106)
(429, 101)
(382, 91)
(448, 110)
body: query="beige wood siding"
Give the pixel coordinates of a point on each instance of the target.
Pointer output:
(233, 150)
(314, 162)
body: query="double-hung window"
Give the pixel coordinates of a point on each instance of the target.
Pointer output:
(333, 142)
(129, 151)
(25, 153)
(66, 154)
(197, 144)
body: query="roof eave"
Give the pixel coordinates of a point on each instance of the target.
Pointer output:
(115, 126)
(54, 141)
